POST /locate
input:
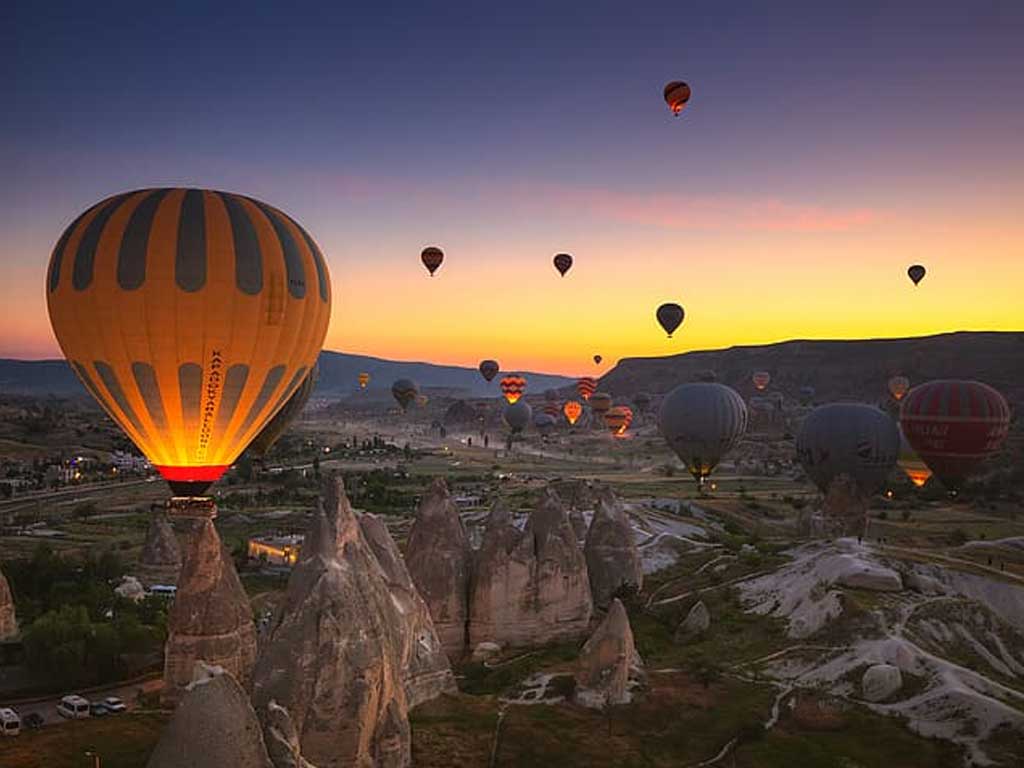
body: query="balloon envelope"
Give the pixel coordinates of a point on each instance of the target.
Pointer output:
(618, 418)
(364, 379)
(670, 317)
(899, 386)
(192, 316)
(513, 387)
(586, 386)
(701, 422)
(572, 411)
(489, 369)
(404, 391)
(916, 273)
(955, 426)
(598, 359)
(848, 438)
(563, 262)
(916, 470)
(517, 415)
(432, 256)
(677, 94)
(600, 402)
(761, 379)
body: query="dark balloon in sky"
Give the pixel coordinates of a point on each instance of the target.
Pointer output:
(563, 263)
(670, 317)
(917, 273)
(432, 256)
(489, 369)
(677, 94)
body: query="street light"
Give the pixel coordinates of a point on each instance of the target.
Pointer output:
(95, 759)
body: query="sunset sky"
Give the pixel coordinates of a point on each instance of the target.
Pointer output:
(827, 147)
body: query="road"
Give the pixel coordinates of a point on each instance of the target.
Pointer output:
(126, 692)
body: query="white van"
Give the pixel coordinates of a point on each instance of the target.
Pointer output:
(73, 707)
(10, 723)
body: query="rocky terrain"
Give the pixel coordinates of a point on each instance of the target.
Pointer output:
(160, 561)
(8, 621)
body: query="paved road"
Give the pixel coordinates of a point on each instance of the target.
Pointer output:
(127, 693)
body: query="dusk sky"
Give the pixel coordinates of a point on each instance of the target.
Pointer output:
(827, 146)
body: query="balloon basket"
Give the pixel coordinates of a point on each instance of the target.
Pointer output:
(191, 508)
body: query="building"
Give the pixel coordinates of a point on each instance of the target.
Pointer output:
(276, 550)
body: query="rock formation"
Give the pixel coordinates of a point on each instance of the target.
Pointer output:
(210, 619)
(529, 587)
(579, 524)
(607, 660)
(880, 681)
(426, 672)
(214, 726)
(334, 657)
(282, 739)
(130, 588)
(8, 622)
(845, 511)
(613, 561)
(438, 560)
(160, 561)
(695, 624)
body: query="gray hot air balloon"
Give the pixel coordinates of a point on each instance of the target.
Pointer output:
(701, 422)
(544, 422)
(276, 427)
(518, 416)
(848, 438)
(404, 391)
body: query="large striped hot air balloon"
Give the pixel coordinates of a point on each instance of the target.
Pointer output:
(915, 469)
(848, 439)
(264, 441)
(364, 379)
(192, 316)
(512, 387)
(572, 411)
(954, 426)
(761, 380)
(404, 391)
(702, 422)
(618, 418)
(586, 386)
(600, 402)
(898, 387)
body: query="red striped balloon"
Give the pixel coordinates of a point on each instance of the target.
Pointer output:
(513, 387)
(954, 426)
(586, 386)
(618, 419)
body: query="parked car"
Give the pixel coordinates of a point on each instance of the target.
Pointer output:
(10, 722)
(73, 707)
(114, 704)
(33, 720)
(98, 709)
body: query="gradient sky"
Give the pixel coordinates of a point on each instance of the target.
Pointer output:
(827, 146)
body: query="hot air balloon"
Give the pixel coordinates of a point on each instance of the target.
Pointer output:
(544, 423)
(552, 409)
(848, 439)
(517, 415)
(572, 411)
(404, 391)
(364, 379)
(898, 386)
(807, 393)
(916, 470)
(954, 426)
(642, 400)
(551, 395)
(586, 386)
(598, 359)
(670, 316)
(422, 400)
(513, 387)
(617, 419)
(916, 273)
(761, 380)
(600, 402)
(563, 263)
(264, 441)
(702, 422)
(432, 256)
(677, 94)
(192, 316)
(489, 369)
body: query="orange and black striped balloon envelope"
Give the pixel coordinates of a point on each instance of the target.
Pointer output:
(513, 387)
(586, 386)
(192, 316)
